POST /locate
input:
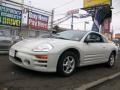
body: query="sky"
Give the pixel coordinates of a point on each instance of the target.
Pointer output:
(62, 6)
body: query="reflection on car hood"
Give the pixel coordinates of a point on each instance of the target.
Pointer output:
(32, 43)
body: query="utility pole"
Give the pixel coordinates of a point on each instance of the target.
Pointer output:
(22, 7)
(110, 2)
(72, 23)
(0, 2)
(29, 9)
(112, 33)
(52, 18)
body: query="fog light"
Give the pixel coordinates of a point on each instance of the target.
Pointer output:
(27, 62)
(43, 57)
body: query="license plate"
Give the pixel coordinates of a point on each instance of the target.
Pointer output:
(12, 52)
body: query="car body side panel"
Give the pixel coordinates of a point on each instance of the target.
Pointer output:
(110, 47)
(93, 53)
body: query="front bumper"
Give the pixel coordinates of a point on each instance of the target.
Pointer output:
(4, 52)
(4, 49)
(29, 61)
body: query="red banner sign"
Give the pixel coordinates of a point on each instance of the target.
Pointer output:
(105, 27)
(37, 21)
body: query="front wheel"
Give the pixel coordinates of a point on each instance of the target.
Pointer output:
(67, 64)
(111, 61)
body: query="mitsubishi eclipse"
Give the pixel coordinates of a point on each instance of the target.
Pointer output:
(63, 52)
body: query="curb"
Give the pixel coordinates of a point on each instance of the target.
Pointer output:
(97, 82)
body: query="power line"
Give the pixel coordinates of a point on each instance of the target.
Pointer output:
(60, 14)
(64, 4)
(116, 12)
(116, 5)
(77, 22)
(65, 13)
(11, 2)
(116, 1)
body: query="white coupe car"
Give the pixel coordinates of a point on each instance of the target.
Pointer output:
(63, 52)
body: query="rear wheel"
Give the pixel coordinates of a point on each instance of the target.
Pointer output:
(111, 61)
(67, 64)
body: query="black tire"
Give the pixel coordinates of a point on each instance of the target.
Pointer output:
(111, 61)
(67, 64)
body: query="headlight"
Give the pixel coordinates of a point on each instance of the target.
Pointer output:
(43, 48)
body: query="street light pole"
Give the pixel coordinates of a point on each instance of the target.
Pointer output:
(72, 23)
(52, 18)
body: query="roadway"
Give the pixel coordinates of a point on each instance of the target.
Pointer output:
(12, 76)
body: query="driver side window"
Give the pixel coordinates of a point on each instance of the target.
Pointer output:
(95, 37)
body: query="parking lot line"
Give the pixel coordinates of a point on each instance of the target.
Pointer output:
(97, 82)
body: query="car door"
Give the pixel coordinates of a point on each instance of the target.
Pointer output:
(94, 50)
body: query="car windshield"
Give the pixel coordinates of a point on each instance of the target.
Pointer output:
(74, 35)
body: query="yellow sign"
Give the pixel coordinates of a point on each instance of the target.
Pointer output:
(90, 3)
(10, 21)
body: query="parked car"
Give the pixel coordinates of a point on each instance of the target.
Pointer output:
(63, 52)
(118, 47)
(117, 43)
(5, 43)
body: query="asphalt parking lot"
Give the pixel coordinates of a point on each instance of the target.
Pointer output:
(17, 78)
(113, 84)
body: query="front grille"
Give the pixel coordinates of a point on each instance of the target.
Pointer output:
(4, 47)
(40, 63)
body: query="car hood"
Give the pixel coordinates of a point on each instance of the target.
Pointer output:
(5, 38)
(33, 43)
